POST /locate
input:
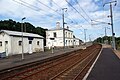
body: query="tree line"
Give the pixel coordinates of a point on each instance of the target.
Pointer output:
(108, 40)
(27, 27)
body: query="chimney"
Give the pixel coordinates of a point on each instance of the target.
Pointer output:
(57, 25)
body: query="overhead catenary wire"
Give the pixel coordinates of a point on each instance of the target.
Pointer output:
(78, 12)
(56, 4)
(61, 9)
(49, 7)
(28, 5)
(82, 9)
(67, 13)
(33, 7)
(101, 22)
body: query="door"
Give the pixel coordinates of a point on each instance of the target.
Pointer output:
(6, 47)
(30, 47)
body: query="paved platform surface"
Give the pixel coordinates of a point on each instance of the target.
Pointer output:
(107, 66)
(13, 61)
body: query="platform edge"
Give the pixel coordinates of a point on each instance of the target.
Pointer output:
(87, 74)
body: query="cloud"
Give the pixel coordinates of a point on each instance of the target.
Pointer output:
(38, 12)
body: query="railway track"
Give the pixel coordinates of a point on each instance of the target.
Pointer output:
(25, 67)
(75, 71)
(63, 68)
(16, 69)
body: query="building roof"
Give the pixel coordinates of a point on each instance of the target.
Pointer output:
(54, 29)
(16, 33)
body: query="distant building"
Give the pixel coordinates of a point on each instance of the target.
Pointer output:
(57, 35)
(11, 42)
(77, 41)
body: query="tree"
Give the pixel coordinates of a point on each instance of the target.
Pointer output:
(28, 27)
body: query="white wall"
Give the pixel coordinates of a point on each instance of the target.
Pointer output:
(39, 47)
(76, 42)
(68, 34)
(58, 42)
(13, 46)
(5, 48)
(18, 49)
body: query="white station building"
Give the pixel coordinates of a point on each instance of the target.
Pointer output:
(11, 42)
(77, 42)
(57, 35)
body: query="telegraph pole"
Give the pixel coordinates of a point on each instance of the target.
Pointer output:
(111, 15)
(63, 27)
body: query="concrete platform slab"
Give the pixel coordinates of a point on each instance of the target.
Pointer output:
(107, 67)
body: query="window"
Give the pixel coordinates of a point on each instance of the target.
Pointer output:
(0, 43)
(66, 42)
(20, 43)
(30, 42)
(66, 34)
(6, 42)
(38, 43)
(54, 34)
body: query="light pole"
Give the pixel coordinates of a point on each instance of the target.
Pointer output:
(113, 34)
(63, 26)
(22, 36)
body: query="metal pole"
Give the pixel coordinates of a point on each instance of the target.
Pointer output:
(63, 28)
(113, 34)
(25, 27)
(105, 32)
(105, 36)
(22, 38)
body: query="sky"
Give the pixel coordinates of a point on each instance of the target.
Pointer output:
(80, 15)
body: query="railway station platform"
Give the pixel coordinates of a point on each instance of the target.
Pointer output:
(16, 60)
(107, 67)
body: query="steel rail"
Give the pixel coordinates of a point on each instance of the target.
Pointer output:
(77, 63)
(68, 57)
(78, 75)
